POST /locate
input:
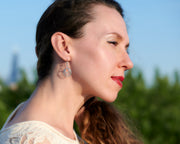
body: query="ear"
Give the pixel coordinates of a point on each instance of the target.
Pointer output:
(60, 42)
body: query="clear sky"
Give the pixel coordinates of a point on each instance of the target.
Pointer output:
(153, 27)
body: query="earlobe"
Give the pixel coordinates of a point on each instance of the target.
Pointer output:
(60, 42)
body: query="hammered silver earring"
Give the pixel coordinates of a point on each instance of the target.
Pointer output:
(64, 70)
(67, 71)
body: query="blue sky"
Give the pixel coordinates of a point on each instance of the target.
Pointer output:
(153, 27)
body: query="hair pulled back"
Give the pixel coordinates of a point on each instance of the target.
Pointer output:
(68, 17)
(101, 123)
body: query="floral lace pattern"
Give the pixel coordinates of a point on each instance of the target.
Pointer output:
(32, 132)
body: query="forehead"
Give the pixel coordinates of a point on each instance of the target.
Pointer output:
(107, 20)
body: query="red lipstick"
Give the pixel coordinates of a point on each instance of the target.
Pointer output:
(118, 80)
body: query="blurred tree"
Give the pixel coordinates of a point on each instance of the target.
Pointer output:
(12, 95)
(153, 110)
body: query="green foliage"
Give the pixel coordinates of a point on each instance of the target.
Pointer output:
(14, 94)
(154, 109)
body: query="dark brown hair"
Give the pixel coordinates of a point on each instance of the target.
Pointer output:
(102, 123)
(69, 17)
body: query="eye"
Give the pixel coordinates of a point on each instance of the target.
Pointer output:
(115, 43)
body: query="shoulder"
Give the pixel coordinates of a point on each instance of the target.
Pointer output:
(25, 132)
(31, 132)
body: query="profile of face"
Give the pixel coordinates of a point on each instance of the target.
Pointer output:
(100, 58)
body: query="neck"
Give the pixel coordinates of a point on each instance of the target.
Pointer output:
(56, 102)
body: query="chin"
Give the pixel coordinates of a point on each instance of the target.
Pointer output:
(110, 98)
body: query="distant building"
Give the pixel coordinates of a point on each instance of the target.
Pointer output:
(14, 73)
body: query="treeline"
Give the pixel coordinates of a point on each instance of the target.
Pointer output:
(154, 110)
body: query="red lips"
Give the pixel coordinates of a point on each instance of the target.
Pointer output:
(118, 80)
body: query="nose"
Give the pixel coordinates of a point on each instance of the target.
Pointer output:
(125, 62)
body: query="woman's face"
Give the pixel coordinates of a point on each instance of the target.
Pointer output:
(100, 58)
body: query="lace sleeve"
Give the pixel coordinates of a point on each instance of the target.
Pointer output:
(33, 133)
(28, 140)
(24, 137)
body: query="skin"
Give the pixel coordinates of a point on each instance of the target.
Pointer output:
(100, 54)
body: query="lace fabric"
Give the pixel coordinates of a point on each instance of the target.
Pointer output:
(32, 132)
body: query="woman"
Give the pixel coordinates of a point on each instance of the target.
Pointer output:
(82, 53)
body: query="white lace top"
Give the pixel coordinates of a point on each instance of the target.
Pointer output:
(32, 132)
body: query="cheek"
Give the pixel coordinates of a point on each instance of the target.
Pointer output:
(83, 61)
(94, 58)
(107, 59)
(93, 62)
(84, 53)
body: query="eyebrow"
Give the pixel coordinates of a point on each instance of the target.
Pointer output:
(117, 34)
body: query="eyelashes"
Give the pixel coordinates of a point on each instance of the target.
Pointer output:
(115, 43)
